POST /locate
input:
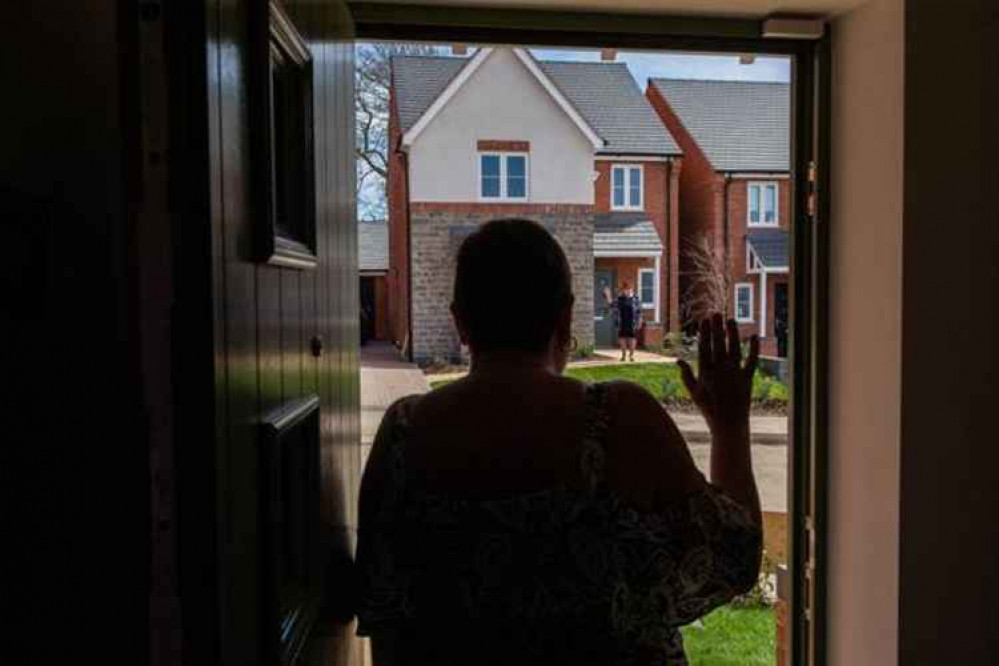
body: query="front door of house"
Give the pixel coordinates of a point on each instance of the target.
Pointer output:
(603, 317)
(780, 318)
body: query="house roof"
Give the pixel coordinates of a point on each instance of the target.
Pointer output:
(740, 125)
(604, 94)
(772, 247)
(372, 245)
(624, 232)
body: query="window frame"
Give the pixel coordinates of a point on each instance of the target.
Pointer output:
(762, 185)
(752, 303)
(627, 167)
(503, 156)
(647, 305)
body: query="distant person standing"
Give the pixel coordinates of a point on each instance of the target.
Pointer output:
(628, 314)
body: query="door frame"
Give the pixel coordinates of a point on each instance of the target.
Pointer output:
(808, 297)
(613, 274)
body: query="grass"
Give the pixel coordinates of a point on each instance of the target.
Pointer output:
(661, 379)
(733, 637)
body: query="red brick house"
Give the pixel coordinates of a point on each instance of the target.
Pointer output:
(572, 145)
(735, 189)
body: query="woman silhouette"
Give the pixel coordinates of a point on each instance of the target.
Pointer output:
(517, 516)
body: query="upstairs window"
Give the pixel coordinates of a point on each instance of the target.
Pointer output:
(762, 204)
(626, 187)
(503, 176)
(647, 287)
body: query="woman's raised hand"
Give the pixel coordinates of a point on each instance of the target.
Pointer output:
(723, 386)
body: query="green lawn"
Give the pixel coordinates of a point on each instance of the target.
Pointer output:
(733, 637)
(660, 379)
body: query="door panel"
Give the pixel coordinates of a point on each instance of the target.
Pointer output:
(285, 342)
(603, 319)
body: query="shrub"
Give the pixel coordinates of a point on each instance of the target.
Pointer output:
(583, 351)
(762, 593)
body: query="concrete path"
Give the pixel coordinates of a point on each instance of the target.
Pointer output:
(384, 379)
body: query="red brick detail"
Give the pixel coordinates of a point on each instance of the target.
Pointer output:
(397, 186)
(661, 200)
(500, 144)
(496, 208)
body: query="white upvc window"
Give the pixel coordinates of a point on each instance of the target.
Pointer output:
(762, 203)
(503, 176)
(744, 302)
(647, 288)
(627, 187)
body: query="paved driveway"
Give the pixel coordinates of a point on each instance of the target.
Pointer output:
(384, 379)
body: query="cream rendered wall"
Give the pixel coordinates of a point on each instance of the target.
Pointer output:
(865, 335)
(502, 100)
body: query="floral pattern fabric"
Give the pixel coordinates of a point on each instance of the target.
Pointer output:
(614, 581)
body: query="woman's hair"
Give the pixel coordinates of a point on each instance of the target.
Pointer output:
(625, 285)
(512, 283)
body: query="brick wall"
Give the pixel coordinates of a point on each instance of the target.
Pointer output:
(397, 280)
(436, 233)
(738, 206)
(661, 203)
(701, 191)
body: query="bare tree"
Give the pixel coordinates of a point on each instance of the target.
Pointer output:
(708, 283)
(373, 79)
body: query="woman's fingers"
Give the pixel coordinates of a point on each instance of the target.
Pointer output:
(734, 348)
(754, 356)
(704, 346)
(718, 339)
(687, 375)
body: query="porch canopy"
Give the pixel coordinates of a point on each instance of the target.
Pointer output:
(625, 235)
(767, 251)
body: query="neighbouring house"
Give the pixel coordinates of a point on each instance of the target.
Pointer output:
(373, 263)
(735, 190)
(572, 145)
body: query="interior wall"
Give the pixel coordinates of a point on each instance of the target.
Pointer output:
(865, 334)
(949, 568)
(75, 468)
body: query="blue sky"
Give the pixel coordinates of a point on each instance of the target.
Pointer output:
(644, 65)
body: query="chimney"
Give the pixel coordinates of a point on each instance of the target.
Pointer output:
(459, 49)
(608, 55)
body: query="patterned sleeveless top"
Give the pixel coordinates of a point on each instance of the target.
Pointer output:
(555, 576)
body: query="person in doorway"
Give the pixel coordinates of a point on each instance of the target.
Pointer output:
(518, 516)
(628, 315)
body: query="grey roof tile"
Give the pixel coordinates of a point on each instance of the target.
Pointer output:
(609, 98)
(372, 245)
(625, 232)
(740, 125)
(772, 246)
(605, 94)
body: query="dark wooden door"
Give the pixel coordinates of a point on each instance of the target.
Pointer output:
(270, 515)
(603, 315)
